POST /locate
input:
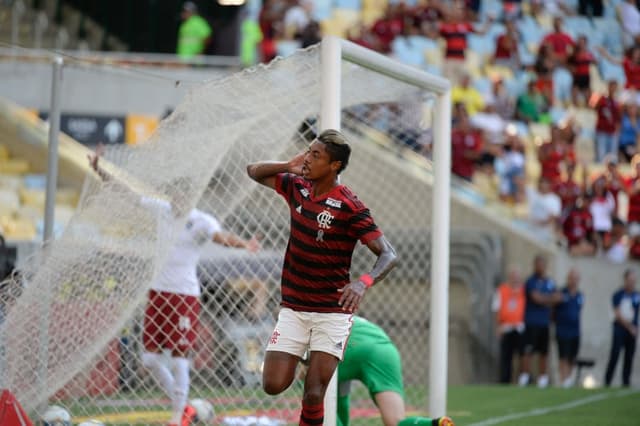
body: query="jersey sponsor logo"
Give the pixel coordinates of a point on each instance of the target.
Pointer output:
(334, 203)
(304, 192)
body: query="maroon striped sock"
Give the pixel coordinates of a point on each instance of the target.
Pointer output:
(312, 415)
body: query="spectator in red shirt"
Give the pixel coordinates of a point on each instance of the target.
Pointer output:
(631, 65)
(608, 123)
(579, 63)
(506, 53)
(389, 26)
(562, 45)
(613, 179)
(466, 148)
(633, 215)
(551, 155)
(543, 68)
(455, 30)
(569, 190)
(577, 228)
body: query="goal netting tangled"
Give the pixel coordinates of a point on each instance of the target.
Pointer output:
(71, 319)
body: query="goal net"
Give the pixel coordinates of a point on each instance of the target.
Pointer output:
(71, 320)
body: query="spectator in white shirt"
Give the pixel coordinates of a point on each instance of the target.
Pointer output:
(544, 209)
(601, 209)
(297, 17)
(617, 251)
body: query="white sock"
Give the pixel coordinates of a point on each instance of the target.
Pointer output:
(154, 362)
(180, 388)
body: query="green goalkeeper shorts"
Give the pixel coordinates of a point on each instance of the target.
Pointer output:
(378, 367)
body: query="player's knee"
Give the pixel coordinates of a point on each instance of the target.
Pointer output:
(313, 395)
(273, 387)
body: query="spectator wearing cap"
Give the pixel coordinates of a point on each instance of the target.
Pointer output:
(608, 122)
(194, 33)
(577, 228)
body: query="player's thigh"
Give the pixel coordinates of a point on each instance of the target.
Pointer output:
(155, 318)
(330, 332)
(382, 371)
(291, 333)
(182, 323)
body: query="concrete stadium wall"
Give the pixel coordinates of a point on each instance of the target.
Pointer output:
(101, 89)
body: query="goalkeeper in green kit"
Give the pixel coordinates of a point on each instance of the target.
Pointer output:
(372, 358)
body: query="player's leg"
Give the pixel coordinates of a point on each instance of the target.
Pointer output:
(563, 361)
(426, 421)
(182, 337)
(391, 406)
(287, 345)
(322, 365)
(329, 333)
(153, 340)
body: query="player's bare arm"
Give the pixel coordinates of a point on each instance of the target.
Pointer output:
(229, 239)
(265, 172)
(353, 292)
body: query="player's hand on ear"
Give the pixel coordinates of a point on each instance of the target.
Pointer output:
(352, 295)
(295, 164)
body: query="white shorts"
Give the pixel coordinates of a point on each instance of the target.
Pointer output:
(296, 332)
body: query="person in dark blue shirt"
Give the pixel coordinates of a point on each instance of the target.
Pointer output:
(567, 316)
(626, 303)
(541, 295)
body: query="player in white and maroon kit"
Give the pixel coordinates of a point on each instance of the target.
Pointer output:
(318, 295)
(171, 314)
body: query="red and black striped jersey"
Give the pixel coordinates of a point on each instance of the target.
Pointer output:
(324, 232)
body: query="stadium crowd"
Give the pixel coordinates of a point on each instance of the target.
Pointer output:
(545, 109)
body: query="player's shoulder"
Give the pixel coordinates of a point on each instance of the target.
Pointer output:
(349, 199)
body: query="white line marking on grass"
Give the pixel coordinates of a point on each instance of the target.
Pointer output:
(551, 409)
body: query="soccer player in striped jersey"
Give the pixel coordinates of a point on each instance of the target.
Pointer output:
(318, 295)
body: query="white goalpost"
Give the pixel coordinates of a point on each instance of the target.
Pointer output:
(334, 50)
(86, 357)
